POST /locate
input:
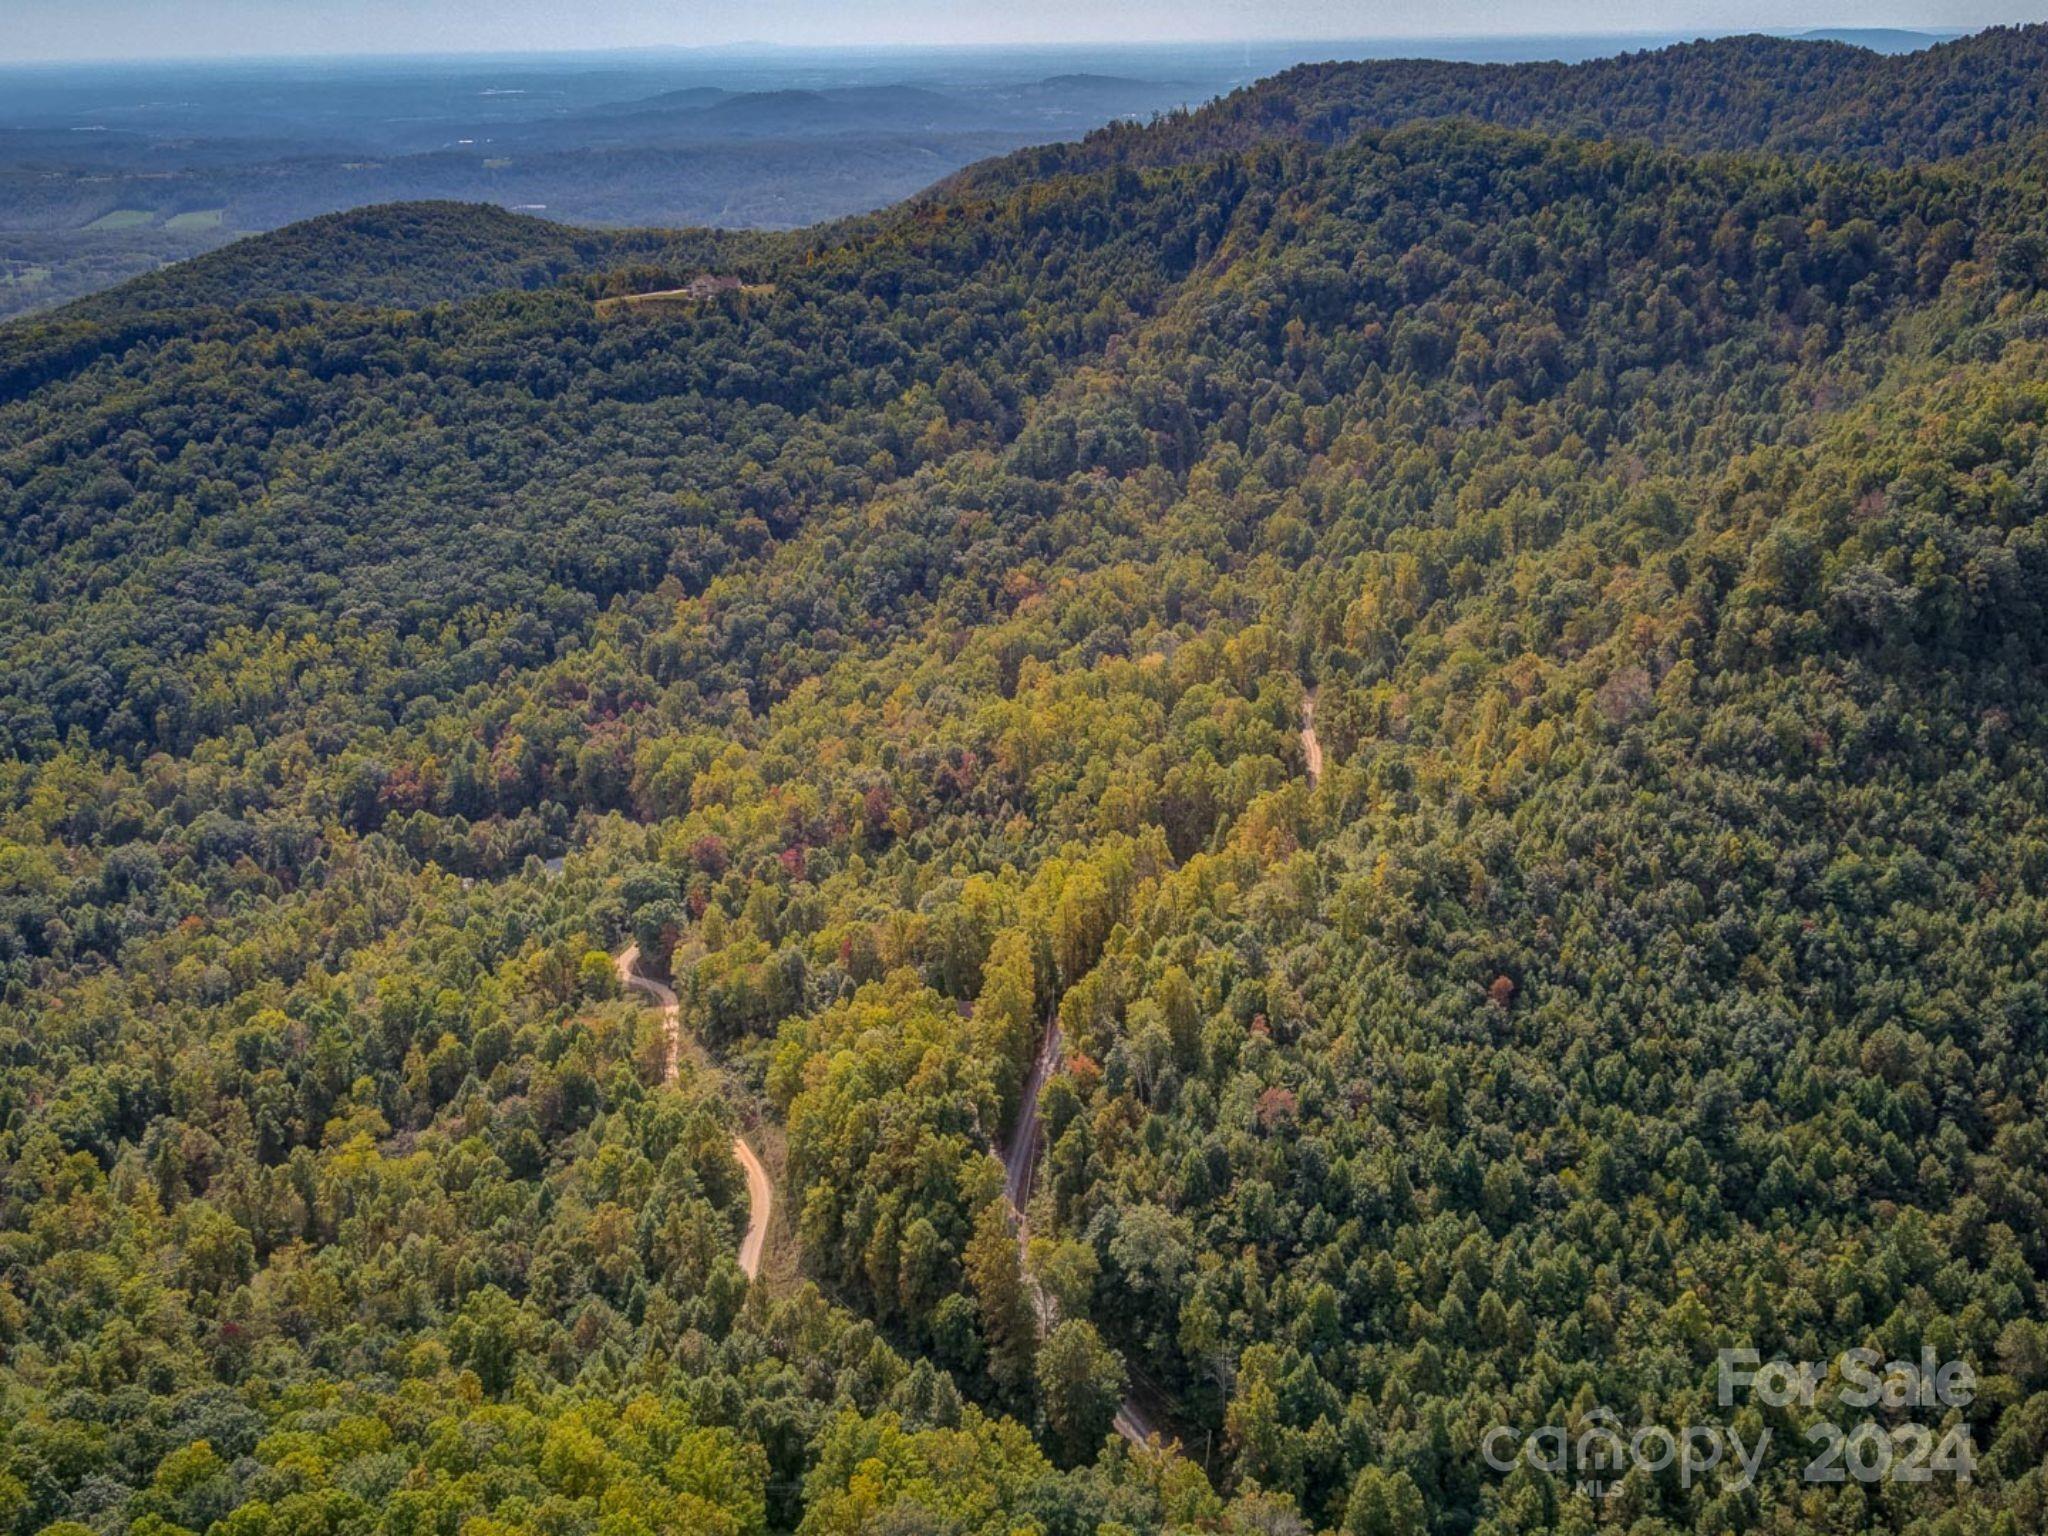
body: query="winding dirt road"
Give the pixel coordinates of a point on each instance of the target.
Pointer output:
(1020, 1166)
(1020, 1158)
(760, 1193)
(1311, 749)
(1132, 1424)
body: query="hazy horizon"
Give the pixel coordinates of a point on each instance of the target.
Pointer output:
(53, 32)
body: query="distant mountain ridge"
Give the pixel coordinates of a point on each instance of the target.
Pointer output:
(1880, 39)
(1778, 95)
(94, 186)
(1985, 89)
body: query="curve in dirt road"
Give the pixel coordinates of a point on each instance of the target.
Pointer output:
(1311, 749)
(760, 1193)
(760, 1197)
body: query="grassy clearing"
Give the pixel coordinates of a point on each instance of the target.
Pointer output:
(673, 298)
(196, 218)
(123, 218)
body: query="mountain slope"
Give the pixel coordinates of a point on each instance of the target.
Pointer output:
(907, 651)
(397, 255)
(1777, 95)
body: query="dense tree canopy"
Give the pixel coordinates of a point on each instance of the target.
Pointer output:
(908, 649)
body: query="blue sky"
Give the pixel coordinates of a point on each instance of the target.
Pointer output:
(71, 29)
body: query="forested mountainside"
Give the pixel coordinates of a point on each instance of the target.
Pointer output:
(395, 255)
(399, 254)
(1821, 99)
(107, 172)
(1473, 697)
